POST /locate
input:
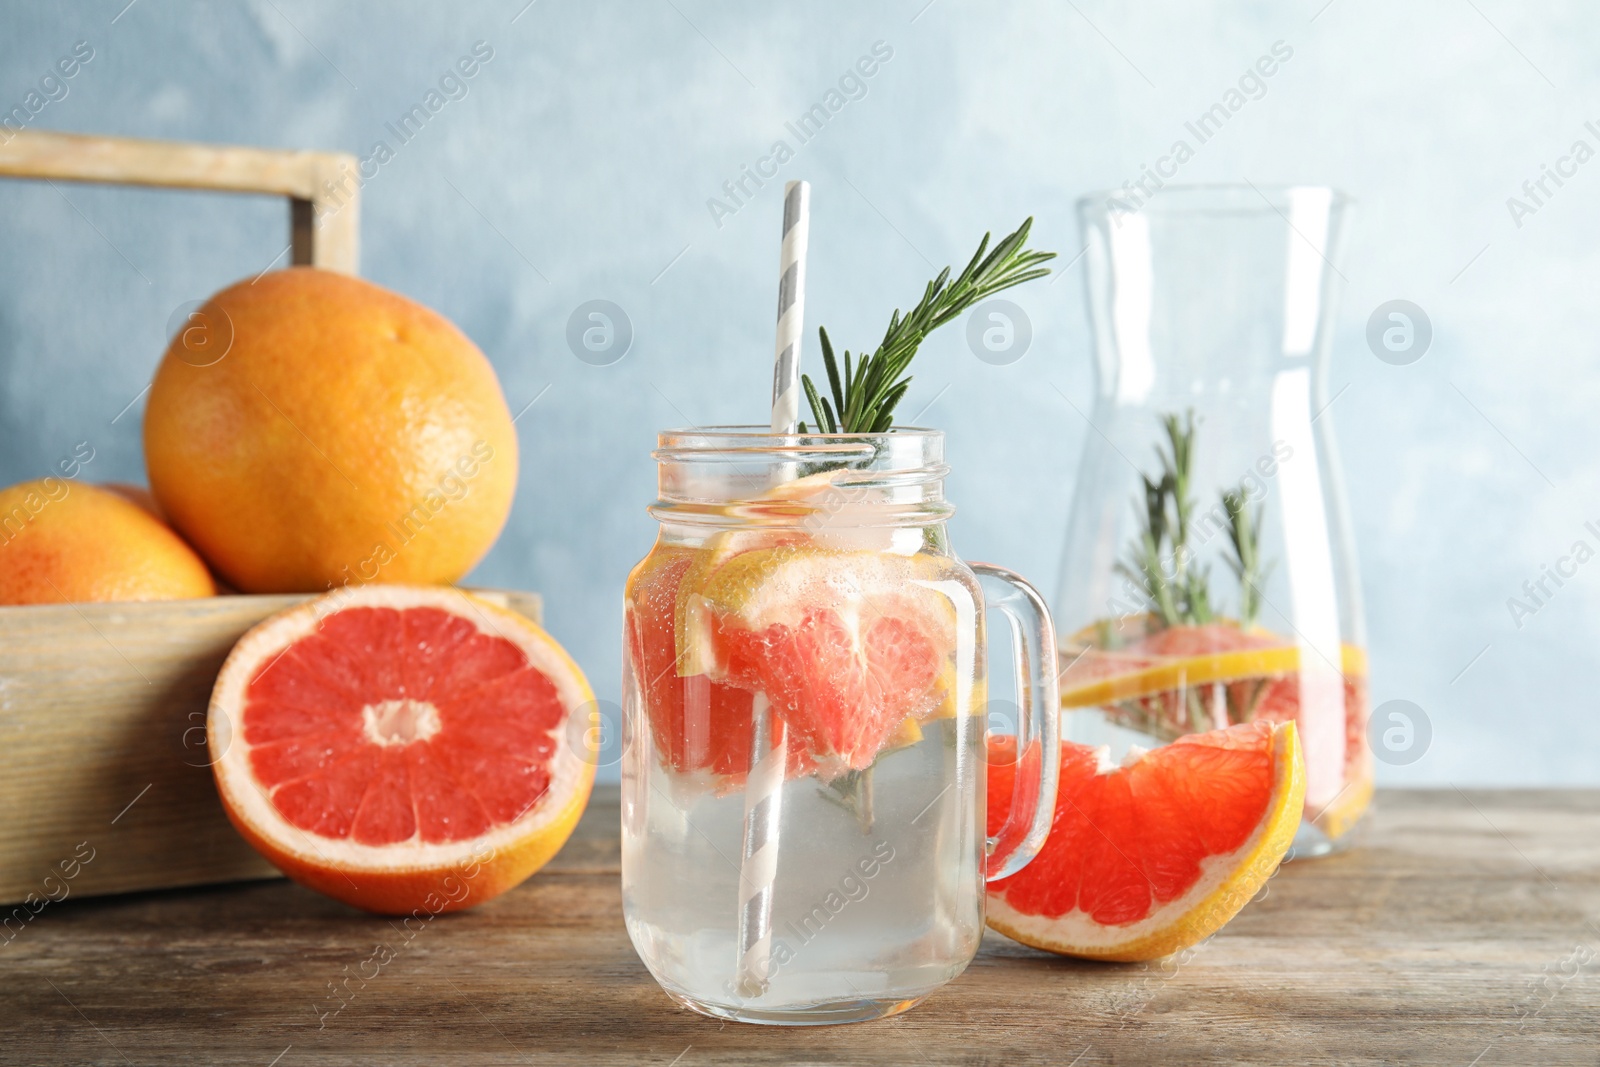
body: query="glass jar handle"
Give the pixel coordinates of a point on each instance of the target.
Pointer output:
(1033, 802)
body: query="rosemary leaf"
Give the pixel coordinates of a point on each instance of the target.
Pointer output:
(819, 407)
(832, 366)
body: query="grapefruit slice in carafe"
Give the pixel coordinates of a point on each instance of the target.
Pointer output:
(402, 748)
(1167, 681)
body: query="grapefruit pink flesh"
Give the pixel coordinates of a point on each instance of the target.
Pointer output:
(842, 685)
(386, 725)
(847, 644)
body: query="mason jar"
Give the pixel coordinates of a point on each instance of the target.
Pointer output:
(805, 711)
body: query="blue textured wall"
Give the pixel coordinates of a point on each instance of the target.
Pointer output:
(579, 162)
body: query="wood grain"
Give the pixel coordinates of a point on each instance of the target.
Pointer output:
(324, 188)
(1424, 946)
(102, 740)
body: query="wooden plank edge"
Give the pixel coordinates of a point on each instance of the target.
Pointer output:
(324, 188)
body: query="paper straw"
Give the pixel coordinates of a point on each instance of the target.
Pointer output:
(791, 307)
(763, 792)
(763, 795)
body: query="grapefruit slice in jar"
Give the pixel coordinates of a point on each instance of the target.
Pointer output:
(1150, 857)
(700, 727)
(847, 645)
(402, 748)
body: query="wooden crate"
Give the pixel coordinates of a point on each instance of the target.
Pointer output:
(103, 706)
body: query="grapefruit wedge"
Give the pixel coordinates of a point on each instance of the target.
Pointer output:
(402, 749)
(846, 644)
(850, 650)
(1153, 856)
(700, 728)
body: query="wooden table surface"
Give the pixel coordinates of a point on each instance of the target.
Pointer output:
(1466, 931)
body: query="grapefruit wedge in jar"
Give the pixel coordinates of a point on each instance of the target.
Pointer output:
(851, 648)
(700, 728)
(1148, 857)
(402, 748)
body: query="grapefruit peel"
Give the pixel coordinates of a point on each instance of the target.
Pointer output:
(1145, 674)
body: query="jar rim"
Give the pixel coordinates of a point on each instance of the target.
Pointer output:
(746, 439)
(740, 431)
(725, 475)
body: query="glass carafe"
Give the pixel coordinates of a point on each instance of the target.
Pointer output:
(1209, 576)
(804, 684)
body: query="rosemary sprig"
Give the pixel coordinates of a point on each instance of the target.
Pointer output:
(863, 398)
(1160, 560)
(1244, 530)
(1145, 566)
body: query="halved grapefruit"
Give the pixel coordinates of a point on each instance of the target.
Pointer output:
(1150, 857)
(402, 748)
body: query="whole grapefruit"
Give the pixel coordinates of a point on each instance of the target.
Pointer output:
(66, 542)
(310, 429)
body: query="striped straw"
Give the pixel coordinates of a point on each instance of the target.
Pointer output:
(763, 797)
(791, 307)
(763, 792)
